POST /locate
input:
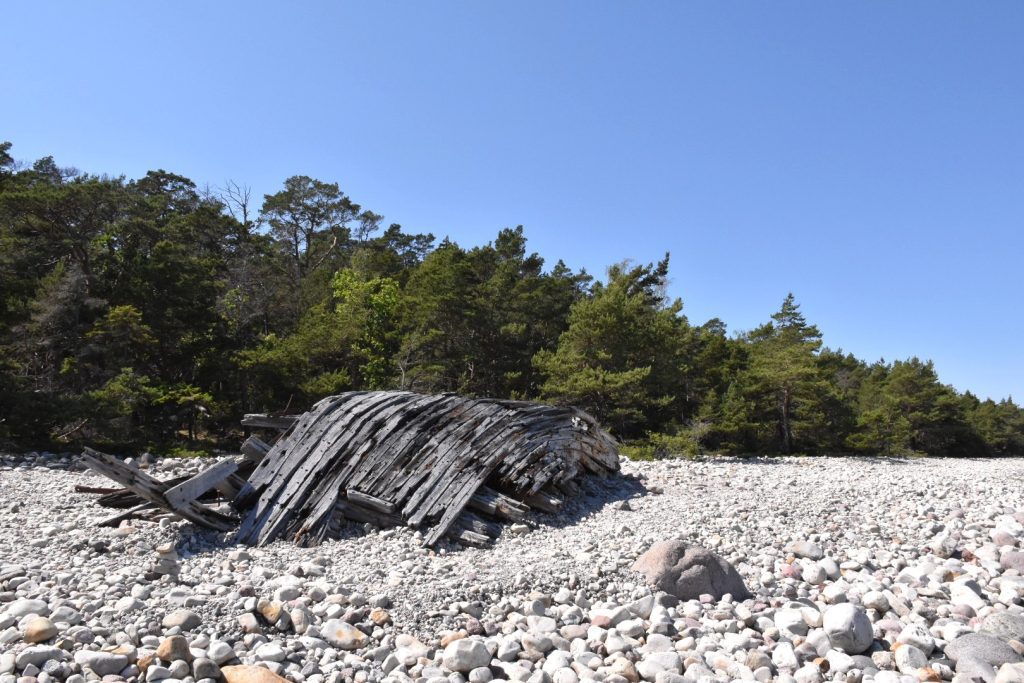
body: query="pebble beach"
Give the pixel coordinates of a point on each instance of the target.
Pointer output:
(856, 569)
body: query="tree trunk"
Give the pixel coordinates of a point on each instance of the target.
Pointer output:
(786, 409)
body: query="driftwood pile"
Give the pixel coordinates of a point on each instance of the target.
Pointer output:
(448, 465)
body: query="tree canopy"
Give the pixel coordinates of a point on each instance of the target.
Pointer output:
(149, 313)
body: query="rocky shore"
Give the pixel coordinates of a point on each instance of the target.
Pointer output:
(842, 569)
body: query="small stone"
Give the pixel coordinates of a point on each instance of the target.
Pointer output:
(179, 669)
(175, 647)
(156, 672)
(24, 607)
(220, 652)
(102, 663)
(784, 657)
(271, 611)
(270, 652)
(848, 628)
(247, 673)
(1010, 673)
(984, 648)
(814, 574)
(875, 600)
(343, 635)
(184, 619)
(205, 668)
(464, 655)
(806, 549)
(39, 630)
(791, 622)
(128, 604)
(918, 636)
(625, 668)
(249, 623)
(909, 659)
(1004, 625)
(808, 673)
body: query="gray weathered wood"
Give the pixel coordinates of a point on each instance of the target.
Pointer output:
(127, 514)
(153, 490)
(454, 466)
(261, 421)
(372, 502)
(255, 449)
(187, 491)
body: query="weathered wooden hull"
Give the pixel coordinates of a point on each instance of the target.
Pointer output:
(443, 463)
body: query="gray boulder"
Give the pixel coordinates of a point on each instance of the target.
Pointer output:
(689, 571)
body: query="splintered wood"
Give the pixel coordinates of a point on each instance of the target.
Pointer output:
(448, 465)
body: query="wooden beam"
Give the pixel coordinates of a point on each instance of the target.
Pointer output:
(498, 505)
(264, 421)
(255, 449)
(99, 490)
(127, 514)
(544, 502)
(372, 502)
(190, 489)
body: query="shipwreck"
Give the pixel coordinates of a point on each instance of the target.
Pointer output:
(448, 465)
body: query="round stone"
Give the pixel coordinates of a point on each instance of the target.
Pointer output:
(848, 628)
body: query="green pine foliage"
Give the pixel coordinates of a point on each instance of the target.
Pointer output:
(149, 313)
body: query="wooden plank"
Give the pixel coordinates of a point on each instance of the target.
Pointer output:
(368, 501)
(230, 488)
(255, 449)
(544, 501)
(498, 505)
(190, 489)
(99, 490)
(127, 514)
(263, 421)
(470, 537)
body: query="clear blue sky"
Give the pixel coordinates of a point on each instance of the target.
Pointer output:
(868, 156)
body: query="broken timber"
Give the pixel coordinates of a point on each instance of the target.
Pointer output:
(448, 465)
(155, 491)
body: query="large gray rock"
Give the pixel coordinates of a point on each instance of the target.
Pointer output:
(1005, 625)
(848, 628)
(982, 647)
(689, 571)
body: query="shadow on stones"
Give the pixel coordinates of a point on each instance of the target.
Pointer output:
(596, 493)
